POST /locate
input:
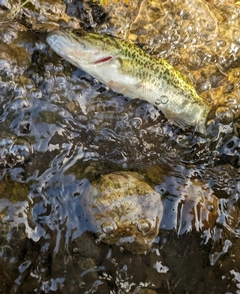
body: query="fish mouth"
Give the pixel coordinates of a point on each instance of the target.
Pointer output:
(59, 42)
(53, 37)
(72, 49)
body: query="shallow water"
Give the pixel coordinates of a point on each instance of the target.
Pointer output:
(61, 130)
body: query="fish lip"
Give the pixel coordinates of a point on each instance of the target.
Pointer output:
(61, 47)
(53, 35)
(53, 41)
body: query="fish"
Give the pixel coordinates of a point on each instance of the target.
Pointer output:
(127, 69)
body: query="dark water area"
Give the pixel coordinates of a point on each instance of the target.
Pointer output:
(61, 131)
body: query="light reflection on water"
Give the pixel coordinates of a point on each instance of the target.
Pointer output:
(73, 129)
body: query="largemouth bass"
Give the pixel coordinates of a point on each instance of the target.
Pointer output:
(128, 70)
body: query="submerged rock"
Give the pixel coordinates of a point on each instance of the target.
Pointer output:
(124, 210)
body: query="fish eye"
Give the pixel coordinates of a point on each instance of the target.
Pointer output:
(143, 225)
(108, 227)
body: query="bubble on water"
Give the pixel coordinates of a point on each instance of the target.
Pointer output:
(14, 151)
(183, 141)
(221, 43)
(29, 84)
(136, 122)
(24, 266)
(48, 66)
(37, 78)
(55, 98)
(61, 87)
(36, 93)
(142, 133)
(224, 115)
(195, 60)
(164, 99)
(143, 225)
(215, 153)
(48, 84)
(48, 76)
(19, 103)
(5, 144)
(60, 82)
(210, 207)
(20, 90)
(108, 227)
(5, 65)
(236, 36)
(75, 250)
(58, 68)
(20, 151)
(134, 141)
(230, 101)
(206, 85)
(125, 117)
(82, 284)
(182, 23)
(158, 102)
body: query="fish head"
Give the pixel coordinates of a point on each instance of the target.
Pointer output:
(90, 49)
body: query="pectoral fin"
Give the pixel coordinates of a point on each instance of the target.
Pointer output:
(183, 125)
(179, 123)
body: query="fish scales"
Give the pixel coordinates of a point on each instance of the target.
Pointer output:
(129, 70)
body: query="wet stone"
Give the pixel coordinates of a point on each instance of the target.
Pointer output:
(124, 210)
(12, 190)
